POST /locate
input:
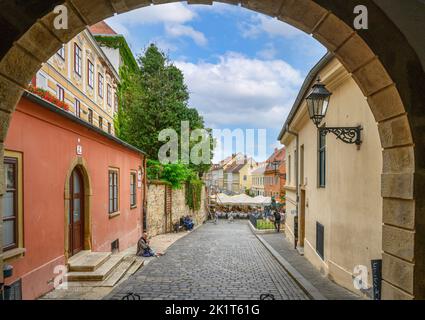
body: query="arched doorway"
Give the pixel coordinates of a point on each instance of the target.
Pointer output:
(76, 212)
(392, 80)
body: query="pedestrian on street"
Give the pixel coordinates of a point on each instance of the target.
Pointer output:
(277, 220)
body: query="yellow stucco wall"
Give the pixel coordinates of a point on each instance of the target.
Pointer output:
(350, 206)
(61, 72)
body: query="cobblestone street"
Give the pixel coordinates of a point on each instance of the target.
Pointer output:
(223, 261)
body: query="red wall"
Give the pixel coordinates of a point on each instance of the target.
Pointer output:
(48, 142)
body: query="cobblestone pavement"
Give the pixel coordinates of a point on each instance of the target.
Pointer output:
(224, 261)
(329, 289)
(90, 291)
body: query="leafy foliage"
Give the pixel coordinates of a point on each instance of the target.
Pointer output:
(174, 174)
(119, 42)
(152, 99)
(264, 224)
(194, 193)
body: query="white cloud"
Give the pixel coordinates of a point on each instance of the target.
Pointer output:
(168, 13)
(269, 52)
(260, 24)
(239, 91)
(173, 16)
(178, 30)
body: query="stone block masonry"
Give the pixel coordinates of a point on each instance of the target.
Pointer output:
(156, 208)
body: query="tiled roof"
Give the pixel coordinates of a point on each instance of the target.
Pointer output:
(235, 168)
(259, 171)
(102, 28)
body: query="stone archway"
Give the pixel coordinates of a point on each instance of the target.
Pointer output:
(393, 82)
(81, 164)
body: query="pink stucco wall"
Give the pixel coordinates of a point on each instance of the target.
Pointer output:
(48, 142)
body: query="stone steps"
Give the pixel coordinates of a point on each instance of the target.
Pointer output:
(100, 273)
(87, 261)
(119, 272)
(138, 263)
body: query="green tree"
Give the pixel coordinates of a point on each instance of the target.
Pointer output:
(155, 98)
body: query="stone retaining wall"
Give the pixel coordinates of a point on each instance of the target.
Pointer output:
(156, 217)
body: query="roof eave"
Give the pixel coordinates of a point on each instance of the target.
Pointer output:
(308, 82)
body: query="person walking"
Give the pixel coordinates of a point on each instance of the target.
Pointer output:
(277, 220)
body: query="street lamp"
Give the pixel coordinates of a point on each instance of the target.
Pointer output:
(275, 164)
(317, 105)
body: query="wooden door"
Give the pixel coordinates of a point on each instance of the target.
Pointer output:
(168, 210)
(76, 213)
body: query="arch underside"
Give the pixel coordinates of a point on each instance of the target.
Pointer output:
(392, 82)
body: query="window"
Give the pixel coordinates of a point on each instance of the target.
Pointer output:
(90, 73)
(12, 202)
(61, 53)
(100, 86)
(109, 128)
(61, 93)
(77, 108)
(41, 81)
(113, 191)
(320, 240)
(289, 169)
(77, 59)
(100, 122)
(109, 95)
(116, 103)
(90, 116)
(322, 161)
(133, 193)
(302, 180)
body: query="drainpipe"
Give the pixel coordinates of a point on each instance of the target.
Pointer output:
(296, 175)
(145, 200)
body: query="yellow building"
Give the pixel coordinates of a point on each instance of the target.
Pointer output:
(333, 199)
(237, 176)
(245, 174)
(81, 75)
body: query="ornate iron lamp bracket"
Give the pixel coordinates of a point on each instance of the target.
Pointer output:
(350, 135)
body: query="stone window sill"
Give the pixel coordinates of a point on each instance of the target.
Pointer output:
(13, 254)
(133, 207)
(113, 215)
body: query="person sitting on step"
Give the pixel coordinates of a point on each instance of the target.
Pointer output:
(143, 248)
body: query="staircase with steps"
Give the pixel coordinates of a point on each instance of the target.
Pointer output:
(102, 269)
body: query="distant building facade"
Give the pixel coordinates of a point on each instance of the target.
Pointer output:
(275, 175)
(258, 180)
(237, 176)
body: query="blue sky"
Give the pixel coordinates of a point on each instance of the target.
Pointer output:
(243, 69)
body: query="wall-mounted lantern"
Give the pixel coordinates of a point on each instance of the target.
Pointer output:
(317, 105)
(275, 164)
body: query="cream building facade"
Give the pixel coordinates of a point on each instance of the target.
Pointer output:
(81, 75)
(258, 180)
(333, 189)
